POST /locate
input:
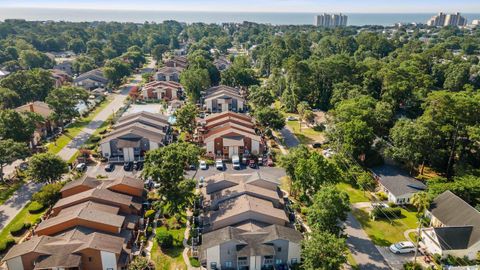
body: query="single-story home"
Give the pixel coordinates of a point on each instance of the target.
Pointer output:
(65, 66)
(454, 228)
(396, 183)
(91, 80)
(168, 74)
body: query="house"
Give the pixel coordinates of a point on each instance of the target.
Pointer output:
(46, 126)
(168, 74)
(245, 224)
(178, 61)
(454, 228)
(65, 66)
(228, 134)
(222, 63)
(397, 184)
(59, 77)
(91, 80)
(93, 226)
(224, 98)
(135, 134)
(162, 90)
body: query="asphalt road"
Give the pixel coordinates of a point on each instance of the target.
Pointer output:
(363, 250)
(289, 138)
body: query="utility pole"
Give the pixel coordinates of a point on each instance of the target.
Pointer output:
(418, 239)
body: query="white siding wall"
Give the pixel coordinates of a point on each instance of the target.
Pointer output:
(128, 154)
(213, 255)
(208, 103)
(106, 151)
(293, 252)
(15, 263)
(255, 262)
(210, 147)
(109, 261)
(153, 145)
(255, 147)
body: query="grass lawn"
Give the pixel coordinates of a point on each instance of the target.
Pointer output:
(384, 233)
(351, 261)
(356, 195)
(307, 135)
(6, 190)
(22, 217)
(75, 128)
(169, 259)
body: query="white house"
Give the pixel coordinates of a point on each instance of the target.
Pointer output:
(397, 184)
(224, 98)
(454, 228)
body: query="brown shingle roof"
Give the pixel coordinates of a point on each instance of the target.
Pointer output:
(86, 181)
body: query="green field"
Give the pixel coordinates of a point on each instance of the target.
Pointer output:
(384, 232)
(7, 189)
(307, 135)
(169, 259)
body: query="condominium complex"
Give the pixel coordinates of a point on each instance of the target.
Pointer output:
(331, 20)
(443, 19)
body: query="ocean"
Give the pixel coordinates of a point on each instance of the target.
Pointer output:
(137, 16)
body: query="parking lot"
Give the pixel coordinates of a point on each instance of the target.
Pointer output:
(118, 171)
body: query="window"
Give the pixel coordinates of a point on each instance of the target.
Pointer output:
(213, 265)
(278, 261)
(89, 259)
(279, 249)
(228, 264)
(294, 261)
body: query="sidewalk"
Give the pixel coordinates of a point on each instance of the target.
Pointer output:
(17, 202)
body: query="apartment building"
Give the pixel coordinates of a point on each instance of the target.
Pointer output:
(443, 19)
(331, 20)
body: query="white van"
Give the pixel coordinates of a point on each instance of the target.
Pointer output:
(236, 162)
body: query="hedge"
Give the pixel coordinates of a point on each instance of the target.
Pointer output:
(6, 244)
(386, 212)
(194, 262)
(19, 228)
(35, 207)
(164, 239)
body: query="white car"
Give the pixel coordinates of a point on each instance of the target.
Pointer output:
(291, 118)
(219, 164)
(203, 165)
(402, 247)
(81, 167)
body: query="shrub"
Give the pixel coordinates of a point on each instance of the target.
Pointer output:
(35, 207)
(386, 212)
(412, 266)
(149, 231)
(194, 262)
(149, 214)
(18, 229)
(48, 194)
(164, 239)
(381, 196)
(319, 127)
(6, 244)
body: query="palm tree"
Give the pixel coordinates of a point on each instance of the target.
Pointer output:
(421, 201)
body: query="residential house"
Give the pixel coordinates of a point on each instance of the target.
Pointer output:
(162, 90)
(178, 61)
(245, 225)
(224, 98)
(222, 63)
(91, 80)
(44, 127)
(454, 228)
(59, 77)
(65, 66)
(93, 226)
(135, 134)
(397, 184)
(168, 74)
(228, 134)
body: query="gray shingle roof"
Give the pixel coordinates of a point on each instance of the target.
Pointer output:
(396, 181)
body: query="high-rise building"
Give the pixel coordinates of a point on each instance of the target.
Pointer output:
(443, 19)
(331, 20)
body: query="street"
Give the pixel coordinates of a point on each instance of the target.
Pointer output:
(289, 138)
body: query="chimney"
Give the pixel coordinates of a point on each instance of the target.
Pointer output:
(30, 105)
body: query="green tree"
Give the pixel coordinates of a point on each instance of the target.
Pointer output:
(49, 194)
(269, 117)
(330, 207)
(186, 118)
(46, 168)
(83, 64)
(421, 201)
(30, 59)
(354, 137)
(18, 126)
(141, 263)
(194, 81)
(158, 51)
(323, 251)
(63, 102)
(30, 85)
(260, 96)
(115, 70)
(8, 98)
(10, 151)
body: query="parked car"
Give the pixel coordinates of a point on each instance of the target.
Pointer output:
(23, 166)
(127, 166)
(192, 167)
(236, 162)
(252, 163)
(291, 118)
(81, 167)
(137, 165)
(219, 164)
(203, 165)
(200, 181)
(110, 167)
(402, 247)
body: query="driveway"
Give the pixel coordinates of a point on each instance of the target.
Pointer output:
(363, 250)
(289, 138)
(14, 204)
(396, 261)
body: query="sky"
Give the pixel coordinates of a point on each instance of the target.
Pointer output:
(347, 6)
